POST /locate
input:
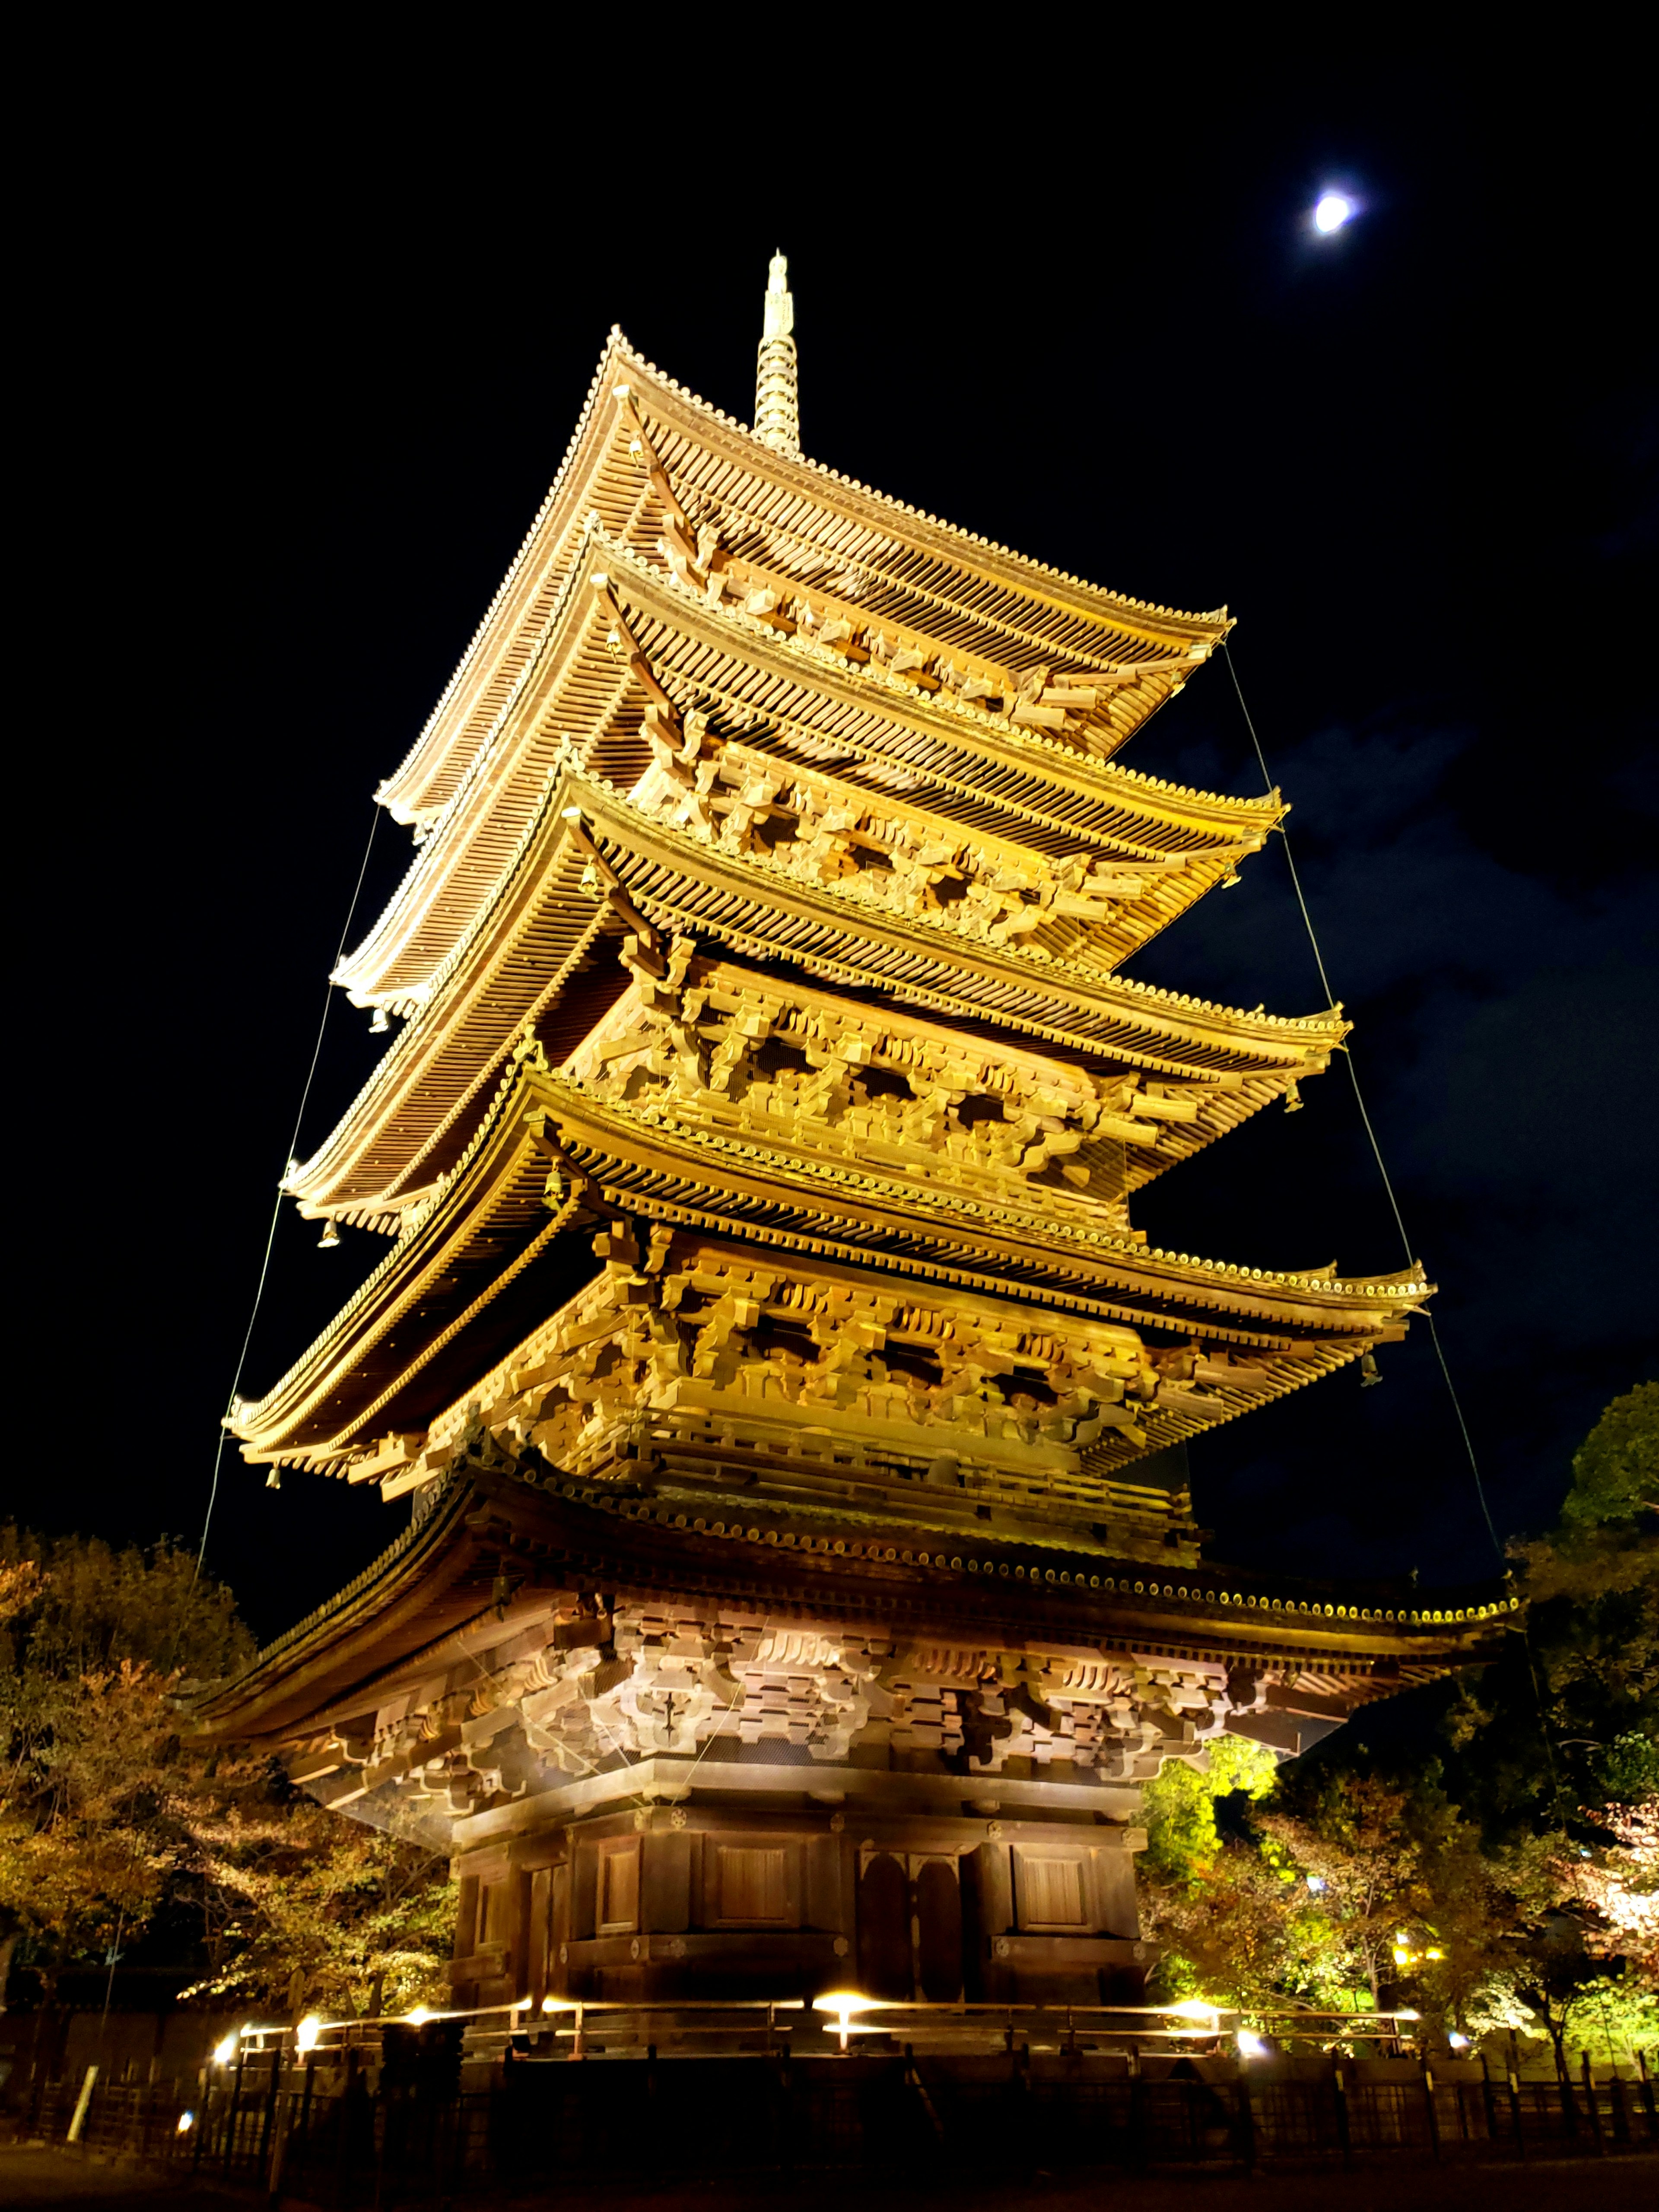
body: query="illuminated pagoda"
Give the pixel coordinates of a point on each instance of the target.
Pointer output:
(801, 1579)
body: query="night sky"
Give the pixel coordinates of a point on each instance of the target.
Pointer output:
(303, 376)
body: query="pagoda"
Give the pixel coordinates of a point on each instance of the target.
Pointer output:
(800, 1578)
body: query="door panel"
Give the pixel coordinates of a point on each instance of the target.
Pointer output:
(884, 1929)
(938, 1921)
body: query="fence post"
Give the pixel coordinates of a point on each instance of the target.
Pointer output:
(1429, 2107)
(1569, 2102)
(1595, 2109)
(269, 2118)
(79, 2119)
(379, 2121)
(235, 2119)
(1621, 2132)
(1340, 2081)
(279, 2134)
(1246, 2119)
(344, 2106)
(304, 2111)
(1647, 2096)
(1137, 2111)
(1515, 2111)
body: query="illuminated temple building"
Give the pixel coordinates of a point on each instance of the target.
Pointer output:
(800, 1578)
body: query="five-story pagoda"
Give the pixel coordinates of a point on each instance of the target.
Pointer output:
(801, 1578)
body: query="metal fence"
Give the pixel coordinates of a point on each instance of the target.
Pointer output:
(353, 2135)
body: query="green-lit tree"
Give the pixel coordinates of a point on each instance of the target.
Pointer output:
(1500, 1872)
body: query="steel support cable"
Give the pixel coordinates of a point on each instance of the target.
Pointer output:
(1366, 1119)
(276, 1210)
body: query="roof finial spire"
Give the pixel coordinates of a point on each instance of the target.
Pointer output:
(777, 397)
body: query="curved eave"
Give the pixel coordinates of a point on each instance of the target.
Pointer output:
(972, 769)
(431, 1599)
(796, 483)
(531, 936)
(372, 1371)
(649, 1161)
(715, 457)
(1074, 790)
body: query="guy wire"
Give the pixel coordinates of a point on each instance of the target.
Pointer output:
(276, 1210)
(1366, 1119)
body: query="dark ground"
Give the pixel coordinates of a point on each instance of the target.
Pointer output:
(1612, 2185)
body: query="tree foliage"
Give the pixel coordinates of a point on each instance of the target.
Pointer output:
(1508, 1881)
(115, 1824)
(1616, 1471)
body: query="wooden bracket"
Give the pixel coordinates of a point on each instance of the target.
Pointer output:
(640, 447)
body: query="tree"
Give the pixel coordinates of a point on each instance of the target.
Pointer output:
(1567, 1720)
(1213, 1902)
(114, 1820)
(1511, 1884)
(1618, 1888)
(1616, 1471)
(94, 1644)
(304, 1910)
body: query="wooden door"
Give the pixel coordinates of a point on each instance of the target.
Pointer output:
(884, 1965)
(939, 1931)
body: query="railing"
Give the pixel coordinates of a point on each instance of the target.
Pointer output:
(394, 2127)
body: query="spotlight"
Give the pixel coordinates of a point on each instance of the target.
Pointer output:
(1331, 211)
(844, 2004)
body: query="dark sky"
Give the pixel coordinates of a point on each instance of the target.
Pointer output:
(301, 376)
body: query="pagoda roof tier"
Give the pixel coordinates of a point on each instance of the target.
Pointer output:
(634, 673)
(471, 1266)
(664, 470)
(434, 1598)
(594, 871)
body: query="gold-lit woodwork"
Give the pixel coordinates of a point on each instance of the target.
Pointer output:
(791, 1413)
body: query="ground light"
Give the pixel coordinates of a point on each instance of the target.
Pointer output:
(1331, 211)
(844, 2004)
(224, 2052)
(1249, 2046)
(306, 2036)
